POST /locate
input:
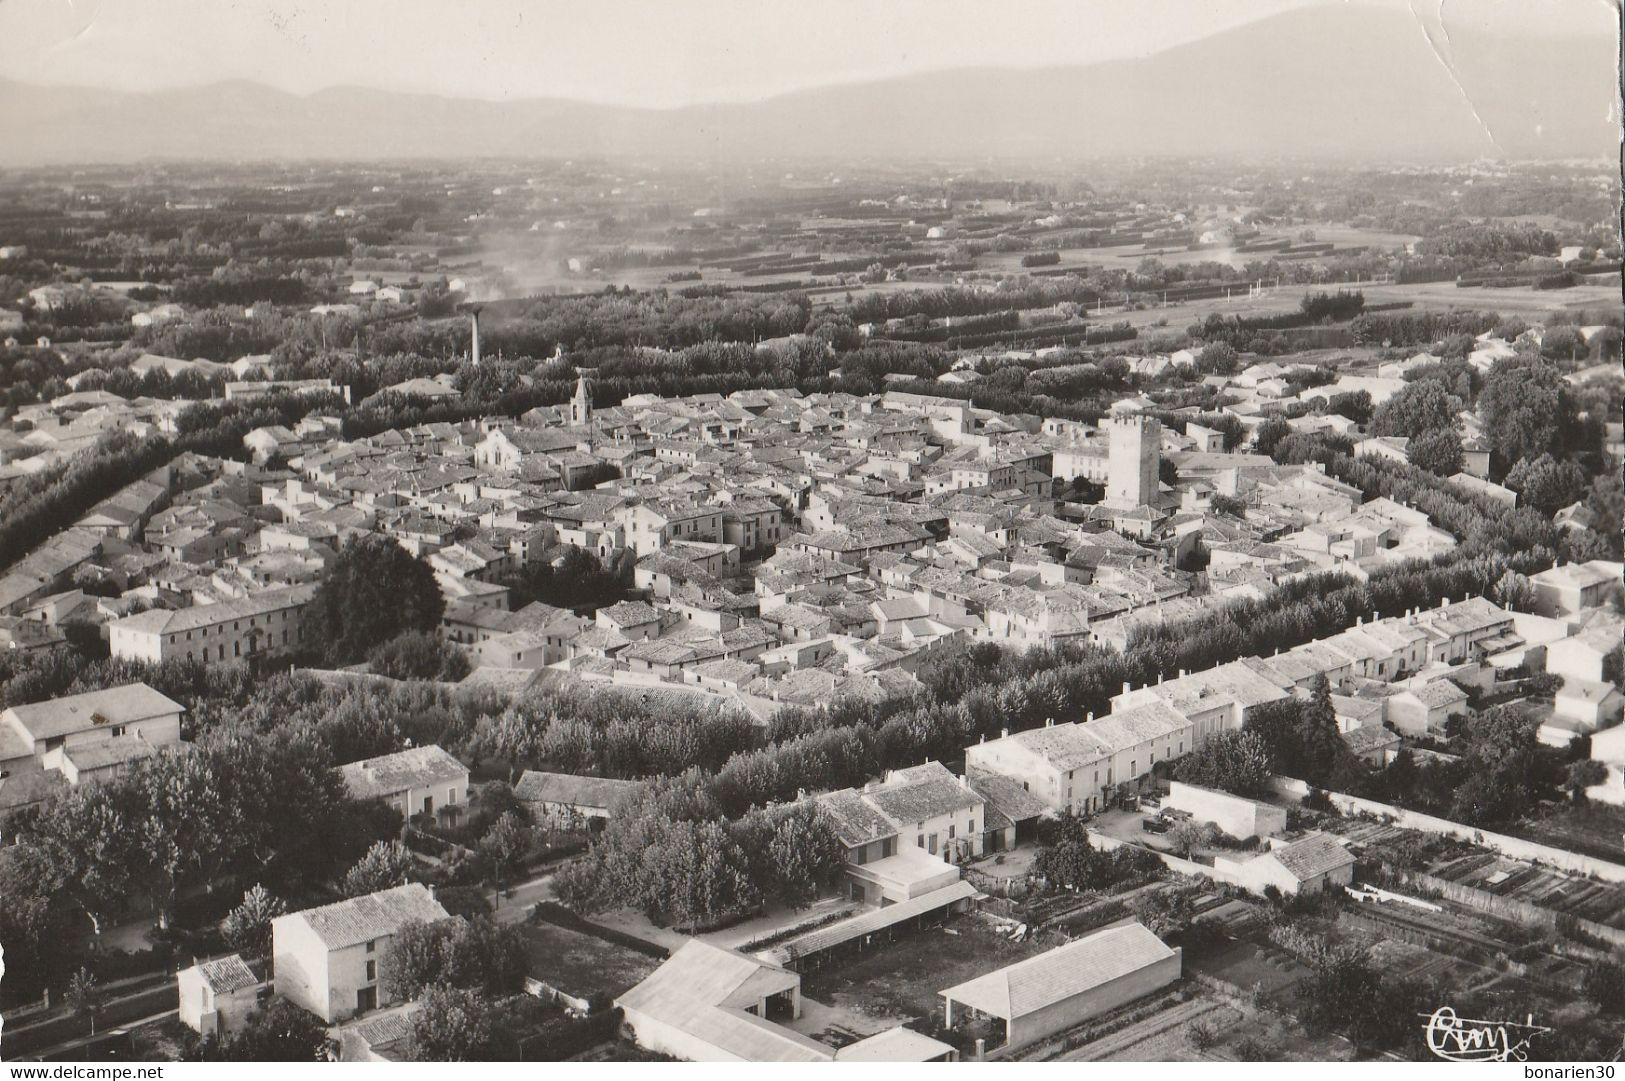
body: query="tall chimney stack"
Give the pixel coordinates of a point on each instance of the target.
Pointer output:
(474, 324)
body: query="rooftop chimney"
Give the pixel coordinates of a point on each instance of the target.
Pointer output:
(1127, 686)
(1004, 732)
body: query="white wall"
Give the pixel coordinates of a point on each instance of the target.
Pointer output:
(299, 961)
(1240, 818)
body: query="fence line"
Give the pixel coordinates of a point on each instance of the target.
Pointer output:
(1515, 847)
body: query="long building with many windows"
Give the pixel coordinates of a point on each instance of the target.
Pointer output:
(261, 623)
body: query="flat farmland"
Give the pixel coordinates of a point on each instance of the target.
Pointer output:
(1443, 296)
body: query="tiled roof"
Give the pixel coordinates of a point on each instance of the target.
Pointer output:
(1063, 973)
(209, 615)
(377, 915)
(415, 767)
(82, 712)
(1312, 857)
(227, 974)
(1006, 796)
(922, 792)
(855, 822)
(536, 786)
(1064, 746)
(104, 753)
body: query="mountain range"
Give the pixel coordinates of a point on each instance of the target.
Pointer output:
(1346, 82)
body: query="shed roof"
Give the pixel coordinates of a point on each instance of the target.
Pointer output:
(1312, 857)
(1063, 973)
(869, 921)
(894, 1045)
(226, 974)
(702, 991)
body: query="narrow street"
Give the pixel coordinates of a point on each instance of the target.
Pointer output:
(516, 902)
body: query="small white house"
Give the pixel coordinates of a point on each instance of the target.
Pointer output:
(1306, 866)
(217, 996)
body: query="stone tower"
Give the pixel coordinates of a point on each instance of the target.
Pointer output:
(581, 405)
(1132, 457)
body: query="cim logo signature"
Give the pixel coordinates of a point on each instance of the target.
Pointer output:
(1468, 1039)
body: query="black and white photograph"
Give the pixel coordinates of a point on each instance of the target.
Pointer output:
(870, 532)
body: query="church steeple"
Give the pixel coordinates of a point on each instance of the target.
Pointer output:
(581, 404)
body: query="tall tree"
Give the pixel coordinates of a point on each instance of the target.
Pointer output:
(1419, 407)
(805, 854)
(86, 996)
(1270, 434)
(453, 1025)
(505, 845)
(1069, 859)
(387, 864)
(248, 926)
(1232, 761)
(475, 953)
(372, 591)
(1526, 408)
(1438, 451)
(1515, 591)
(1321, 746)
(1548, 484)
(1354, 404)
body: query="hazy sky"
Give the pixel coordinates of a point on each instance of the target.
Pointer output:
(643, 52)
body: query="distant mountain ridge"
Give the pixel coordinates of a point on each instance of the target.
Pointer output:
(1351, 83)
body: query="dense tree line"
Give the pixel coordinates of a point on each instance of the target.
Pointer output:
(610, 733)
(258, 808)
(1401, 329)
(671, 852)
(1011, 295)
(37, 507)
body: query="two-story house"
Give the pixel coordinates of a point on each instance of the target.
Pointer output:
(132, 721)
(327, 959)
